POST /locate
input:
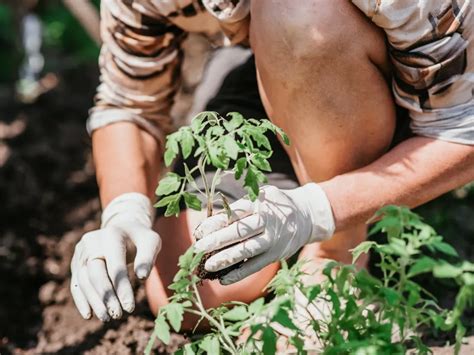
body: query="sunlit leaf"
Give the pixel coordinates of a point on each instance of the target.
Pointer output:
(170, 183)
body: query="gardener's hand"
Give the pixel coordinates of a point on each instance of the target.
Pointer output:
(272, 228)
(99, 267)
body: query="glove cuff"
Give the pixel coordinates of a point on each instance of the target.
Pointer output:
(132, 206)
(313, 198)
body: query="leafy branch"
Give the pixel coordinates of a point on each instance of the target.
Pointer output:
(349, 312)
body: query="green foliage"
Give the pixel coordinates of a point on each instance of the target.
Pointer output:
(62, 33)
(230, 144)
(364, 315)
(350, 311)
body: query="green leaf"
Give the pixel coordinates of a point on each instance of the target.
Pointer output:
(218, 159)
(259, 137)
(445, 248)
(398, 246)
(210, 344)
(189, 349)
(172, 148)
(444, 270)
(192, 201)
(162, 329)
(196, 260)
(173, 207)
(170, 183)
(260, 162)
(185, 260)
(269, 341)
(275, 129)
(198, 123)
(215, 131)
(283, 136)
(169, 157)
(256, 306)
(240, 166)
(282, 318)
(422, 265)
(251, 183)
(362, 248)
(230, 147)
(187, 142)
(174, 313)
(164, 201)
(392, 296)
(235, 122)
(313, 292)
(237, 313)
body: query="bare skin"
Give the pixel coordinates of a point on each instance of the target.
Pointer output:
(322, 69)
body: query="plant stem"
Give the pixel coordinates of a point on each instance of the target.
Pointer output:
(211, 320)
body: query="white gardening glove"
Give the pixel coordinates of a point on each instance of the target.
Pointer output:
(99, 267)
(272, 228)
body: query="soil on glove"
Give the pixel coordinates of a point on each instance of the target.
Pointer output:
(49, 200)
(203, 274)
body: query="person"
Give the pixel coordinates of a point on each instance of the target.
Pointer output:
(333, 75)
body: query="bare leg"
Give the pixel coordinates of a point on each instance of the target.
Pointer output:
(321, 68)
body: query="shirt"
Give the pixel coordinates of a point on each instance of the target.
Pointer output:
(430, 42)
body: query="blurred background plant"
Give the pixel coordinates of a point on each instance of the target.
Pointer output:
(40, 37)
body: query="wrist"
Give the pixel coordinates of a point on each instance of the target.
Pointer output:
(340, 202)
(129, 207)
(312, 199)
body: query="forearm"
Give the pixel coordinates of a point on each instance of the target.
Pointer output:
(416, 171)
(127, 159)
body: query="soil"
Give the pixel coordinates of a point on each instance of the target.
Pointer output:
(203, 274)
(49, 199)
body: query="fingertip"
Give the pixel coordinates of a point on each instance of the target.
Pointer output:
(211, 266)
(143, 270)
(103, 317)
(85, 314)
(115, 311)
(129, 307)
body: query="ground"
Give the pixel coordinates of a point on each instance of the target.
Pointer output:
(49, 199)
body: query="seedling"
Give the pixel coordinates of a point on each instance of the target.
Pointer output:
(232, 145)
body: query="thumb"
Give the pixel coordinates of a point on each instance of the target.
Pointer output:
(148, 245)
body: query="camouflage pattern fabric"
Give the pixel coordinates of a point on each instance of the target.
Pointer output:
(431, 45)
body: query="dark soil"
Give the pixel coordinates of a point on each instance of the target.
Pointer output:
(48, 199)
(203, 274)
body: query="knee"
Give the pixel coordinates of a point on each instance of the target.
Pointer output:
(316, 29)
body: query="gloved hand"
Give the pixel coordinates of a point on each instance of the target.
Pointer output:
(272, 228)
(99, 267)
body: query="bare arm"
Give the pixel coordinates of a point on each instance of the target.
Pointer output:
(127, 159)
(140, 66)
(416, 171)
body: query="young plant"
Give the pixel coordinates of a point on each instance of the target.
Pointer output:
(232, 145)
(349, 312)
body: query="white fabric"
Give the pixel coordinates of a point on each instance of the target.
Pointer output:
(99, 279)
(272, 228)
